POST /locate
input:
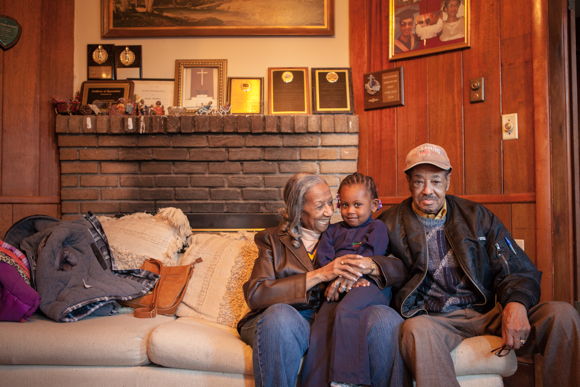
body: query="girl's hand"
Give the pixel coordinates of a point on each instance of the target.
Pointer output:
(340, 285)
(361, 283)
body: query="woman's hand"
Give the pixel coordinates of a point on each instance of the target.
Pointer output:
(363, 265)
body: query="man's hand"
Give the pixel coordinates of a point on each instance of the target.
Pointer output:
(515, 325)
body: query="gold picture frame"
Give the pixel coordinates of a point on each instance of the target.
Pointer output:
(246, 95)
(422, 27)
(250, 17)
(194, 89)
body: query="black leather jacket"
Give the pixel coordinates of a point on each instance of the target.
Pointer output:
(478, 239)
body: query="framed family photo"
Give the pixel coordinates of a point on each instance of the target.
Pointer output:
(200, 83)
(148, 18)
(421, 27)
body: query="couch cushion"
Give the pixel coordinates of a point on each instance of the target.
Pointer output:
(215, 290)
(136, 237)
(119, 340)
(196, 344)
(473, 356)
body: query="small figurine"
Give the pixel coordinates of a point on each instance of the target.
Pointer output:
(159, 110)
(225, 109)
(143, 109)
(151, 110)
(121, 107)
(204, 109)
(130, 107)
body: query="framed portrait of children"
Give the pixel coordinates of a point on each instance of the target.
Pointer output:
(200, 83)
(421, 27)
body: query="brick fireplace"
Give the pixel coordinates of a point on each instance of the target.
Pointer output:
(200, 164)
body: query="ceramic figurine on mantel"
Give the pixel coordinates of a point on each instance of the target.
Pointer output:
(225, 109)
(206, 109)
(130, 108)
(159, 110)
(121, 107)
(143, 109)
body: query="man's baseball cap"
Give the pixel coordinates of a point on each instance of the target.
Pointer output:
(428, 154)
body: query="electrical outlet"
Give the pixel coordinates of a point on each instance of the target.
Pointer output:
(509, 126)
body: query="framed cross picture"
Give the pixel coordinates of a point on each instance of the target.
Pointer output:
(200, 83)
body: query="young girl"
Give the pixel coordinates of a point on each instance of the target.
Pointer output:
(338, 352)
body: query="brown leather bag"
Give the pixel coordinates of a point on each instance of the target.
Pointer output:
(168, 292)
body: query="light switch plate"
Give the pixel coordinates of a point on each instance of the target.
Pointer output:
(520, 243)
(508, 120)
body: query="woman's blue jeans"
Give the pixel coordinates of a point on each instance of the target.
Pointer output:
(280, 337)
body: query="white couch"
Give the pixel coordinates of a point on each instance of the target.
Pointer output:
(166, 351)
(191, 350)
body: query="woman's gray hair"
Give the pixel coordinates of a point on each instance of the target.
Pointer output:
(295, 190)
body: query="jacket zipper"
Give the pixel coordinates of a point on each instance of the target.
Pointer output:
(420, 282)
(466, 272)
(500, 255)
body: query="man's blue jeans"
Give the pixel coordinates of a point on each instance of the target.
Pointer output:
(280, 337)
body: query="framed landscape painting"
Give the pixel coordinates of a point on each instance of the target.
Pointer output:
(147, 18)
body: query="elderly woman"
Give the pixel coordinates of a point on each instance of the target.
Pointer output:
(286, 289)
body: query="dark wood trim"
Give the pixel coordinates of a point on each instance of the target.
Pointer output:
(543, 150)
(575, 142)
(29, 200)
(560, 139)
(483, 199)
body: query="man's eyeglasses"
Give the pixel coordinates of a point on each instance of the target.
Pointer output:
(501, 351)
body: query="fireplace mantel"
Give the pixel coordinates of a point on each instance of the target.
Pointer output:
(201, 164)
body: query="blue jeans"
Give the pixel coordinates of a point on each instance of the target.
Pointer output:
(280, 337)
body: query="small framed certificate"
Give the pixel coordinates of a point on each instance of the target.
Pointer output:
(153, 90)
(384, 89)
(288, 90)
(246, 95)
(106, 91)
(332, 91)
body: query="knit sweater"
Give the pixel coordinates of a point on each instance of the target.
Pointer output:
(446, 287)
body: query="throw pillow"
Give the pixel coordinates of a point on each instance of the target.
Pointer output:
(215, 290)
(135, 237)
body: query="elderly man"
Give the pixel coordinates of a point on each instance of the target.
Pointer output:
(468, 277)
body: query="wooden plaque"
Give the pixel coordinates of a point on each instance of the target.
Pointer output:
(288, 91)
(332, 91)
(384, 89)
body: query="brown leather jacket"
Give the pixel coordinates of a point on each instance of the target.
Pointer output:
(279, 275)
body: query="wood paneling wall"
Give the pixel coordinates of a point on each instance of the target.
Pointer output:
(38, 67)
(499, 174)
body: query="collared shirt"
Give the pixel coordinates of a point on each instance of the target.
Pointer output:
(310, 239)
(437, 216)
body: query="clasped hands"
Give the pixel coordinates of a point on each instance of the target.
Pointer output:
(347, 272)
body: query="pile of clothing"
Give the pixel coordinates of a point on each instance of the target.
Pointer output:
(67, 271)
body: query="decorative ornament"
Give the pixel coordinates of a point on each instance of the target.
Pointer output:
(372, 86)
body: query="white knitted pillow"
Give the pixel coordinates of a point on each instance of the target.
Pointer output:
(135, 237)
(215, 291)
